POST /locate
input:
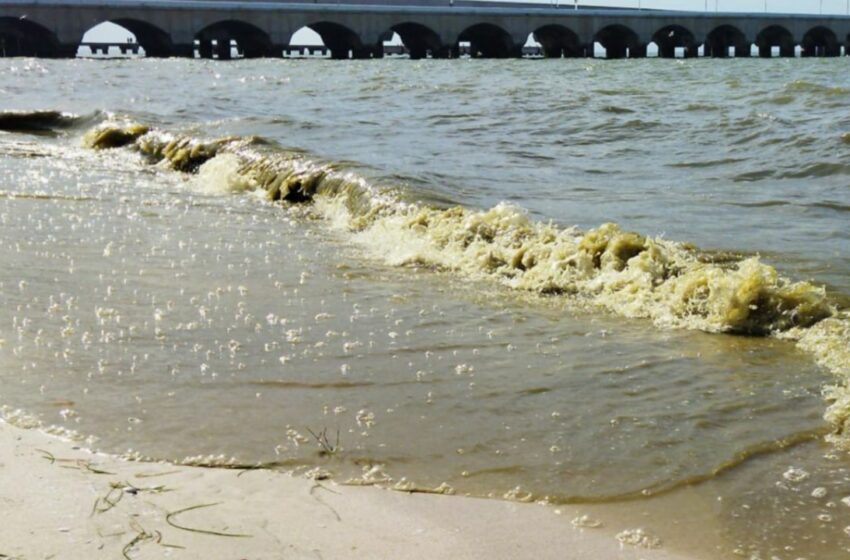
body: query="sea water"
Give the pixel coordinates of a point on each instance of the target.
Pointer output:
(619, 285)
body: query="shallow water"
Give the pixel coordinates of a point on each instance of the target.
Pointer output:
(163, 313)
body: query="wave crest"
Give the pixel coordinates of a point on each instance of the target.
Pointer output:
(40, 121)
(671, 283)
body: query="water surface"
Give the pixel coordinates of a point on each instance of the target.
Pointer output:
(166, 315)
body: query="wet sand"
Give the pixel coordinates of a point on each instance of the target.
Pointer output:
(61, 501)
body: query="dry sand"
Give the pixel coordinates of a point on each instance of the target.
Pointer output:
(59, 501)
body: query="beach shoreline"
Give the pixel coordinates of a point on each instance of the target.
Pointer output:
(61, 501)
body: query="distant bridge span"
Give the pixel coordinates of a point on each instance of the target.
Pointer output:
(436, 28)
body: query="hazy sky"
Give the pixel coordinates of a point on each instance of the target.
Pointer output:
(790, 6)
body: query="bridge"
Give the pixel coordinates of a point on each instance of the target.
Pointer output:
(427, 28)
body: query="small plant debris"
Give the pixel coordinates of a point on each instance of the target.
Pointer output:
(327, 449)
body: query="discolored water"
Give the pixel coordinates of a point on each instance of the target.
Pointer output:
(182, 315)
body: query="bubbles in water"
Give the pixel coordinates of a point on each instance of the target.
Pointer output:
(795, 475)
(639, 538)
(586, 522)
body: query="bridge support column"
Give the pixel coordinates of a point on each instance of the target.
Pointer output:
(366, 52)
(821, 51)
(784, 52)
(186, 50)
(669, 51)
(205, 49)
(222, 49)
(443, 52)
(215, 48)
(67, 51)
(716, 51)
(340, 52)
(614, 52)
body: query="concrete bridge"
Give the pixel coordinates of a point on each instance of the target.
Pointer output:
(435, 28)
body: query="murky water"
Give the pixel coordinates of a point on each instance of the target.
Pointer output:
(378, 334)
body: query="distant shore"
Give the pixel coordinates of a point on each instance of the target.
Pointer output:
(60, 501)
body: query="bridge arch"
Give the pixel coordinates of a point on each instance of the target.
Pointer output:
(620, 41)
(557, 41)
(671, 37)
(820, 41)
(775, 36)
(155, 42)
(419, 40)
(342, 41)
(721, 39)
(487, 40)
(251, 41)
(23, 37)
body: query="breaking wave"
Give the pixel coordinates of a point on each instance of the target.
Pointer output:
(673, 284)
(42, 122)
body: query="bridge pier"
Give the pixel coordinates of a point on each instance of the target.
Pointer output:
(722, 51)
(129, 49)
(821, 51)
(222, 49)
(184, 50)
(205, 49)
(340, 53)
(442, 53)
(669, 51)
(366, 52)
(785, 51)
(560, 51)
(618, 51)
(417, 52)
(68, 50)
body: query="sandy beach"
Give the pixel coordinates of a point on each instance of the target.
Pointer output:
(60, 501)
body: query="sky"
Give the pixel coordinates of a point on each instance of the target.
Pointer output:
(786, 6)
(108, 32)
